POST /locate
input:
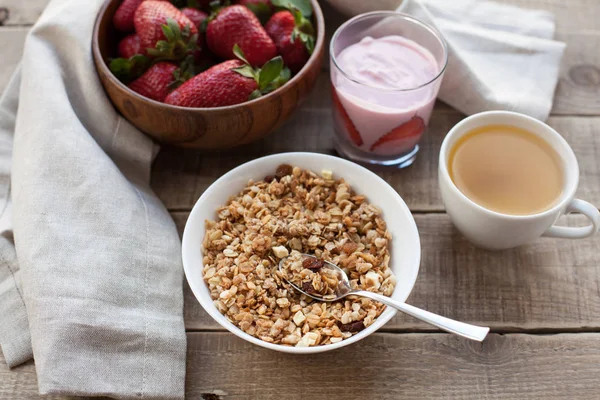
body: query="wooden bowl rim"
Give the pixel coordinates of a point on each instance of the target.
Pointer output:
(101, 63)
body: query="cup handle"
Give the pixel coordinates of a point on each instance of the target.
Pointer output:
(584, 208)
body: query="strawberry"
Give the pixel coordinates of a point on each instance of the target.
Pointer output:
(130, 46)
(348, 124)
(228, 83)
(197, 17)
(123, 18)
(238, 25)
(411, 130)
(293, 36)
(261, 8)
(164, 31)
(155, 83)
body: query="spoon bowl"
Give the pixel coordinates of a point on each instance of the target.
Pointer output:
(343, 289)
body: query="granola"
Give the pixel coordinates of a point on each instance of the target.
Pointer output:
(296, 211)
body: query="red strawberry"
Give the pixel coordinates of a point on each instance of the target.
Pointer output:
(294, 37)
(217, 86)
(130, 46)
(195, 15)
(238, 25)
(411, 130)
(155, 82)
(150, 20)
(348, 124)
(228, 83)
(123, 18)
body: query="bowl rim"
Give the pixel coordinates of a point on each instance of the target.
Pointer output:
(188, 247)
(101, 64)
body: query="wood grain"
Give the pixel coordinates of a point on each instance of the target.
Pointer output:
(578, 90)
(11, 43)
(21, 12)
(180, 177)
(382, 366)
(549, 286)
(412, 366)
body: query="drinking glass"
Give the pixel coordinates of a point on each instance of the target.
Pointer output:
(375, 124)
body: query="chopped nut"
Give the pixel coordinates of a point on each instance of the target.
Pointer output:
(280, 251)
(309, 339)
(372, 279)
(299, 318)
(327, 174)
(283, 302)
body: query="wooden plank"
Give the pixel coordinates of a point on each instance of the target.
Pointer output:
(549, 286)
(19, 12)
(382, 366)
(578, 90)
(11, 43)
(390, 366)
(181, 176)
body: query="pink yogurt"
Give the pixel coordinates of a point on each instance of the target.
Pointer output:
(376, 99)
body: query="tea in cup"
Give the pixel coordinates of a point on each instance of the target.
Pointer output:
(505, 178)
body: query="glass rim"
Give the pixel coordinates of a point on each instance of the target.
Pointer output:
(417, 21)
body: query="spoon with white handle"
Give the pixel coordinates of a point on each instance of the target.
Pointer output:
(344, 289)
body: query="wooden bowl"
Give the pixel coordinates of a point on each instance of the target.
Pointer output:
(203, 128)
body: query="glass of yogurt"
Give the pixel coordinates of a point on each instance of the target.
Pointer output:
(386, 71)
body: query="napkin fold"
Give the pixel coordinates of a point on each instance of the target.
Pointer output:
(91, 286)
(500, 56)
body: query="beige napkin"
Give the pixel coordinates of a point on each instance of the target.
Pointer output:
(500, 56)
(94, 291)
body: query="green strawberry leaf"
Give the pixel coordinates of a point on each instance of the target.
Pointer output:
(237, 51)
(309, 42)
(185, 71)
(269, 72)
(281, 80)
(129, 69)
(246, 71)
(255, 95)
(193, 4)
(303, 5)
(178, 44)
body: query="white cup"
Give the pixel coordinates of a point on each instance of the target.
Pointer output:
(493, 230)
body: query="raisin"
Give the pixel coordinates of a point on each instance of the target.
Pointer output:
(314, 264)
(283, 170)
(307, 287)
(353, 327)
(269, 178)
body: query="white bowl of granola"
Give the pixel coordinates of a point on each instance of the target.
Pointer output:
(319, 204)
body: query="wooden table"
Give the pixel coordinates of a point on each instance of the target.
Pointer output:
(542, 301)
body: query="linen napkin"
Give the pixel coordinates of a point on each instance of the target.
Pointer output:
(500, 56)
(92, 287)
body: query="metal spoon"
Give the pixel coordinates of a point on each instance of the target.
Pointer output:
(344, 289)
